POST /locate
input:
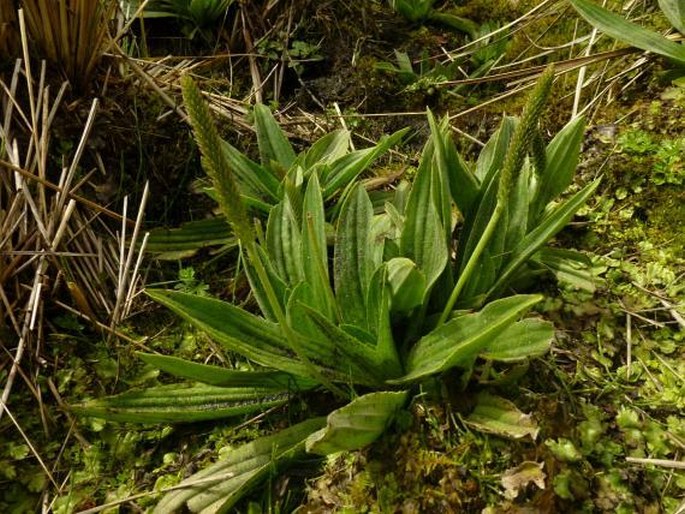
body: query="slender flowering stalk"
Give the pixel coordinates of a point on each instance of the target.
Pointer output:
(522, 140)
(215, 164)
(525, 133)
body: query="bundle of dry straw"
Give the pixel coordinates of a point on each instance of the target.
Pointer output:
(57, 248)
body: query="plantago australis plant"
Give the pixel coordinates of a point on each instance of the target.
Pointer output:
(342, 325)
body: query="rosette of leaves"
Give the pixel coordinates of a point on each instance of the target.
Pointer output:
(421, 11)
(362, 320)
(195, 16)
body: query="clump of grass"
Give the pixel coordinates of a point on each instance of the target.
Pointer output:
(72, 34)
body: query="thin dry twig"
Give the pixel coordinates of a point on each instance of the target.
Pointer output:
(663, 463)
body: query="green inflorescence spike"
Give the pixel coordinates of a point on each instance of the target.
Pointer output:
(214, 161)
(525, 132)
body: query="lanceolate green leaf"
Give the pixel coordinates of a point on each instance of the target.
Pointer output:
(476, 223)
(522, 340)
(327, 149)
(675, 12)
(456, 22)
(355, 359)
(314, 250)
(274, 147)
(562, 159)
(547, 228)
(275, 282)
(378, 301)
(357, 424)
(407, 284)
(218, 487)
(284, 242)
(439, 185)
(478, 216)
(618, 27)
(458, 178)
(493, 154)
(520, 198)
(463, 338)
(239, 331)
(423, 234)
(223, 377)
(569, 267)
(511, 228)
(348, 167)
(253, 178)
(186, 240)
(336, 355)
(182, 403)
(352, 263)
(501, 417)
(413, 10)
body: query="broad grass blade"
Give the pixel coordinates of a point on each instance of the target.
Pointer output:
(619, 28)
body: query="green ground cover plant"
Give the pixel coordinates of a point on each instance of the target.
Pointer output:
(422, 11)
(374, 322)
